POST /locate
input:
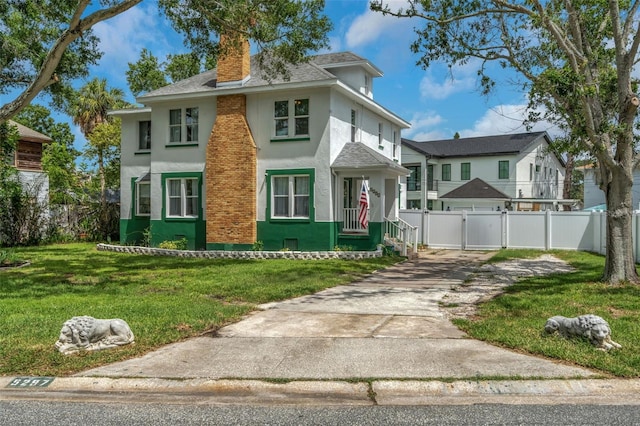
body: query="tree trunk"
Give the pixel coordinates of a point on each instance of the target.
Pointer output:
(568, 180)
(620, 263)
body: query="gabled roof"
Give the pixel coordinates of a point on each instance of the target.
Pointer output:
(313, 71)
(30, 135)
(356, 155)
(345, 59)
(313, 74)
(477, 146)
(478, 189)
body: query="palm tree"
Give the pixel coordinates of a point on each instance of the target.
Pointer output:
(89, 110)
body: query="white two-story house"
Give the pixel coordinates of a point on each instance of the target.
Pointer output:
(229, 160)
(514, 172)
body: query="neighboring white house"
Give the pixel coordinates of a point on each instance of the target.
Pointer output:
(514, 172)
(594, 196)
(229, 160)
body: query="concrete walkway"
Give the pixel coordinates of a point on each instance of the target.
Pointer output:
(382, 340)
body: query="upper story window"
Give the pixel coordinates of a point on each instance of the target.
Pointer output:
(413, 181)
(293, 115)
(503, 169)
(144, 135)
(395, 144)
(446, 172)
(465, 171)
(290, 196)
(183, 125)
(380, 133)
(354, 127)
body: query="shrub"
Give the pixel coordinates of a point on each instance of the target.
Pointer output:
(180, 244)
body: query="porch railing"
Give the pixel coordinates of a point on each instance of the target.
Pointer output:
(402, 235)
(350, 221)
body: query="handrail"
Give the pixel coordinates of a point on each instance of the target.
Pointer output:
(403, 233)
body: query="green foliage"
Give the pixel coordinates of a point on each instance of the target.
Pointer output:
(180, 244)
(164, 299)
(10, 258)
(343, 248)
(46, 47)
(257, 246)
(284, 31)
(516, 318)
(145, 75)
(574, 58)
(146, 237)
(179, 67)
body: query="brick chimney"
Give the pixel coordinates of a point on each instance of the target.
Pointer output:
(235, 63)
(230, 172)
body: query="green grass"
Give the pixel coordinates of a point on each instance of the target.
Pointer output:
(516, 318)
(164, 299)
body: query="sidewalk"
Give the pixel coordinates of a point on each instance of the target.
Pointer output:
(382, 340)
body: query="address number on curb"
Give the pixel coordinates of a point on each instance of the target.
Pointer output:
(30, 382)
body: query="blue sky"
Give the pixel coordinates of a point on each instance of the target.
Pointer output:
(438, 102)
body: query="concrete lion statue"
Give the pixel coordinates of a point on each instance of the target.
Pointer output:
(593, 327)
(91, 334)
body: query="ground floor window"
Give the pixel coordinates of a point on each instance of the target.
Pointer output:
(143, 199)
(182, 197)
(290, 196)
(413, 204)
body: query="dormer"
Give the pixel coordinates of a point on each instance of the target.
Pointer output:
(351, 69)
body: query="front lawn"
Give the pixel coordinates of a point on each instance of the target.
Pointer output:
(164, 299)
(516, 318)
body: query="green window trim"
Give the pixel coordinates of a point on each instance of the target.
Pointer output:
(503, 169)
(179, 145)
(142, 153)
(284, 139)
(182, 175)
(465, 171)
(270, 174)
(446, 172)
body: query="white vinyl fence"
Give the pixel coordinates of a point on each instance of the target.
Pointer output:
(474, 230)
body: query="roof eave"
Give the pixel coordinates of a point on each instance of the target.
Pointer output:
(237, 90)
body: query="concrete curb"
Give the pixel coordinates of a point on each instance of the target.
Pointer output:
(378, 392)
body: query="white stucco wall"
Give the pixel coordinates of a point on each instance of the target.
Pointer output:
(594, 196)
(131, 165)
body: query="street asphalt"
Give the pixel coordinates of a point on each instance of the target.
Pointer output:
(381, 340)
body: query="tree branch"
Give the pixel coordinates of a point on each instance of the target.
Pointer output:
(46, 75)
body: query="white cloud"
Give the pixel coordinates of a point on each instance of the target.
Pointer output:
(423, 126)
(505, 119)
(440, 82)
(370, 26)
(432, 89)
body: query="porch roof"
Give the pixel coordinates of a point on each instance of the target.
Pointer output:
(477, 189)
(358, 156)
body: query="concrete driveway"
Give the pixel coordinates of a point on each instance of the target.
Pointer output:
(386, 326)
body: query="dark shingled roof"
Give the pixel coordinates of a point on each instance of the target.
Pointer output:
(476, 146)
(313, 71)
(477, 188)
(356, 155)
